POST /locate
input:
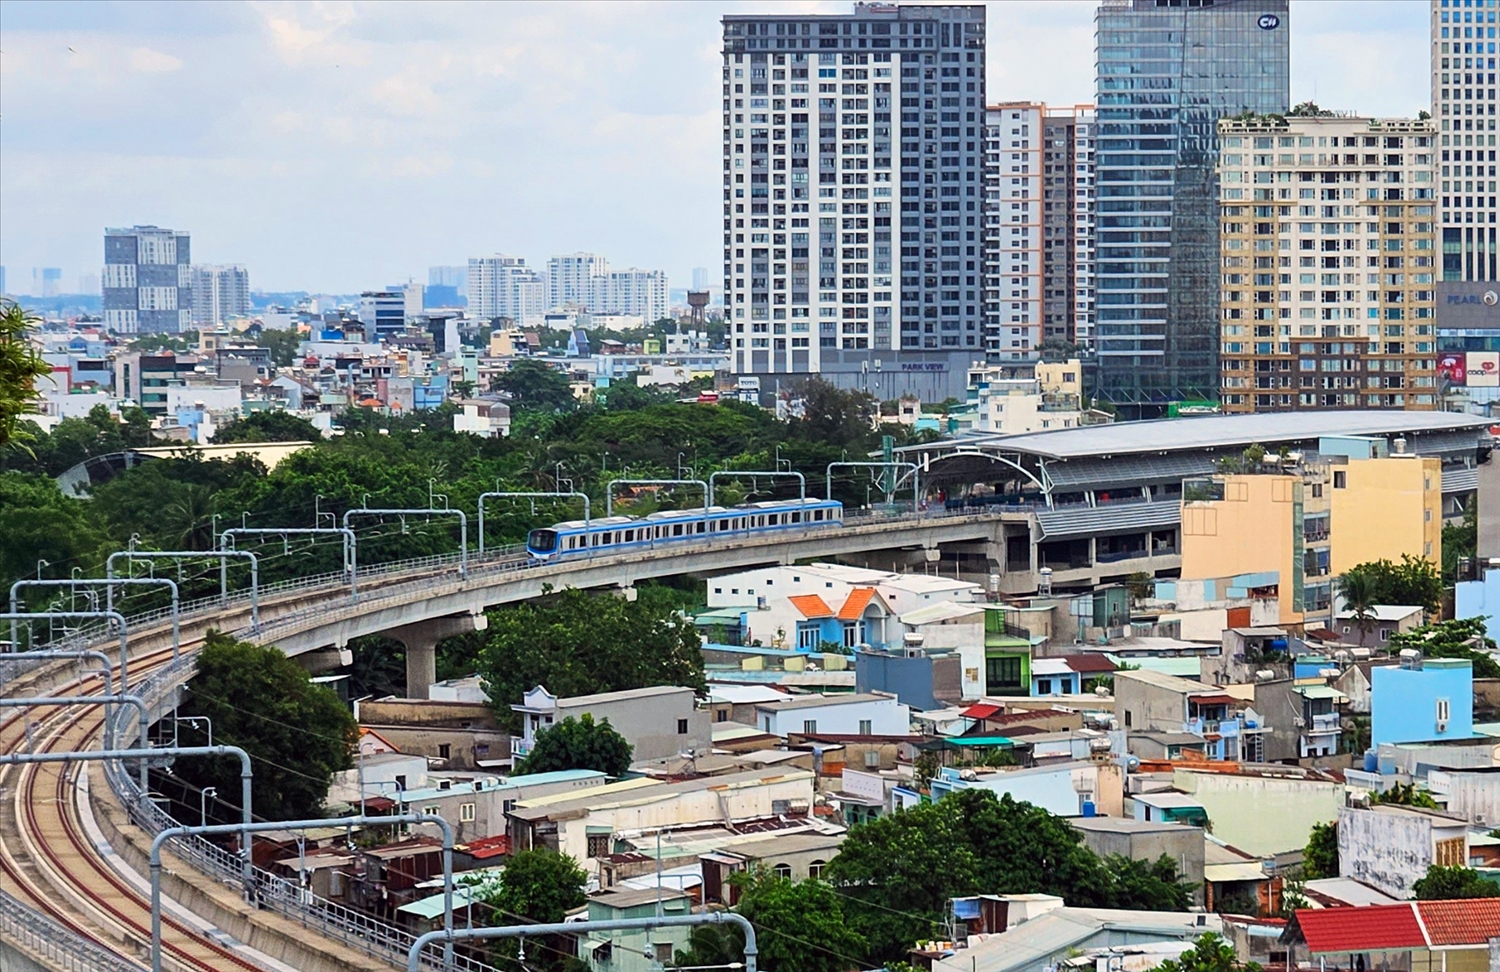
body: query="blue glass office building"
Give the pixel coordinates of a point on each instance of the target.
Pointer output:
(1167, 71)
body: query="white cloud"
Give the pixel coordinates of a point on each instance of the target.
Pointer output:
(296, 135)
(154, 62)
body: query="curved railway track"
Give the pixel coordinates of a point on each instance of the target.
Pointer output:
(49, 863)
(68, 879)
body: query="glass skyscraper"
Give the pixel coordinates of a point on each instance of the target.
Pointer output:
(1167, 71)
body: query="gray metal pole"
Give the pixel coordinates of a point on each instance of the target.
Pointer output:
(108, 671)
(801, 479)
(114, 616)
(109, 591)
(414, 954)
(523, 495)
(220, 555)
(915, 472)
(246, 865)
(350, 542)
(463, 525)
(134, 700)
(247, 829)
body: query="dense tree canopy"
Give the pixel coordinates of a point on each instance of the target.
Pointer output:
(536, 887)
(1413, 581)
(1458, 638)
(1209, 953)
(298, 734)
(801, 926)
(900, 870)
(536, 385)
(1320, 859)
(21, 364)
(574, 744)
(577, 644)
(273, 425)
(1453, 882)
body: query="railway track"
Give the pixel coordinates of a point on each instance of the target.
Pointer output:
(61, 873)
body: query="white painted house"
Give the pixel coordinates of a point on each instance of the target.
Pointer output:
(870, 714)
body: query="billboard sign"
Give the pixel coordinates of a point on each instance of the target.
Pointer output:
(1483, 369)
(1452, 368)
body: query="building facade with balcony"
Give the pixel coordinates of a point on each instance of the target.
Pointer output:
(659, 722)
(1153, 702)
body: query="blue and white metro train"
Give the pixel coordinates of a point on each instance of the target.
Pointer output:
(616, 533)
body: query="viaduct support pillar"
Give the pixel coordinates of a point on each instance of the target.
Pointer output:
(421, 641)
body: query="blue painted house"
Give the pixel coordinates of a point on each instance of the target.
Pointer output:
(1422, 700)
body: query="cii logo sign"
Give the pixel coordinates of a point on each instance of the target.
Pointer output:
(1268, 22)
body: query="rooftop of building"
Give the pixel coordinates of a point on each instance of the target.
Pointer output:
(1128, 825)
(818, 701)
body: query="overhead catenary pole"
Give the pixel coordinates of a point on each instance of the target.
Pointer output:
(134, 700)
(251, 828)
(351, 544)
(113, 616)
(180, 555)
(247, 867)
(463, 525)
(110, 583)
(555, 494)
(916, 489)
(782, 473)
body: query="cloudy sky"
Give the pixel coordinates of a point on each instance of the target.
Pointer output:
(335, 146)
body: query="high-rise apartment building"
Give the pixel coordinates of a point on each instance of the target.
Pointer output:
(1463, 102)
(1167, 72)
(504, 286)
(853, 161)
(570, 278)
(46, 281)
(1328, 263)
(455, 277)
(219, 293)
(641, 293)
(383, 313)
(1039, 229)
(147, 285)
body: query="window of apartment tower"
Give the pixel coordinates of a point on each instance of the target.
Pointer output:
(1340, 479)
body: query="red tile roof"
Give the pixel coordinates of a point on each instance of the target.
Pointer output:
(854, 607)
(1370, 928)
(811, 606)
(488, 847)
(1470, 921)
(980, 711)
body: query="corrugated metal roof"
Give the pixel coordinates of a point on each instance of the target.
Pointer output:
(1088, 521)
(1129, 470)
(1458, 480)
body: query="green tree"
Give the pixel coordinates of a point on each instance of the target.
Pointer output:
(272, 425)
(536, 887)
(833, 416)
(37, 522)
(1458, 638)
(1460, 540)
(1442, 883)
(1413, 581)
(298, 734)
(1360, 594)
(21, 364)
(536, 386)
(800, 926)
(1404, 795)
(1209, 953)
(283, 345)
(1320, 859)
(575, 744)
(578, 644)
(901, 870)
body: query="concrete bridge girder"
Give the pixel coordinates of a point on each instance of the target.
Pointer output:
(464, 600)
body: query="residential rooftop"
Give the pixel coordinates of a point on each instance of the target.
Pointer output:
(817, 701)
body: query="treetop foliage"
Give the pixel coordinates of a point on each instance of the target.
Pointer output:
(575, 744)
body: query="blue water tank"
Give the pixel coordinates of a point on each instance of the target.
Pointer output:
(1088, 809)
(1372, 761)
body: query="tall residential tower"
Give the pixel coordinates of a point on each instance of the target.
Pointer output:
(853, 181)
(147, 285)
(1167, 71)
(1463, 101)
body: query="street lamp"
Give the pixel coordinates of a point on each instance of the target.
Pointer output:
(203, 795)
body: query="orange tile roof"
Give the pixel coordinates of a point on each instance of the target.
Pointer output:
(1364, 929)
(1469, 921)
(811, 606)
(854, 607)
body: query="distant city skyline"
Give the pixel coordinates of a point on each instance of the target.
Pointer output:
(354, 145)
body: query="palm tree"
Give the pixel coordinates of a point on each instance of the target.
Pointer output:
(1357, 589)
(20, 365)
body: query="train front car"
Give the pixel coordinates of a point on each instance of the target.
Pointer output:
(541, 544)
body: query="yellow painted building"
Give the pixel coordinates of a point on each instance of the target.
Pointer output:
(1383, 508)
(1245, 524)
(1309, 525)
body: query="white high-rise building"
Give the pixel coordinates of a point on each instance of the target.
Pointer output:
(570, 278)
(504, 286)
(220, 293)
(641, 293)
(1039, 228)
(1463, 103)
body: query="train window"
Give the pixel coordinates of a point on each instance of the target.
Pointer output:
(629, 536)
(817, 514)
(677, 529)
(797, 517)
(702, 527)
